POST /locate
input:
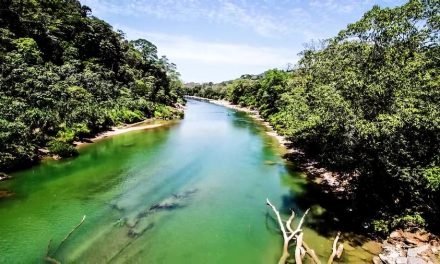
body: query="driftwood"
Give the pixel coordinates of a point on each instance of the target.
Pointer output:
(288, 234)
(51, 260)
(337, 250)
(298, 255)
(70, 233)
(49, 257)
(301, 248)
(175, 201)
(311, 253)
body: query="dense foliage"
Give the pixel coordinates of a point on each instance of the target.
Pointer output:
(366, 102)
(66, 74)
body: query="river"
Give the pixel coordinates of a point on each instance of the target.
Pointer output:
(192, 191)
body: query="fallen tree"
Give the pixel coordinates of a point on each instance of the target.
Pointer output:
(296, 235)
(49, 258)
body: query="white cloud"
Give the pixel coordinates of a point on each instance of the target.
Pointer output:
(267, 18)
(245, 14)
(266, 25)
(229, 59)
(262, 24)
(341, 6)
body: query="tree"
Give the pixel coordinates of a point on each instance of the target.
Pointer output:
(66, 75)
(366, 103)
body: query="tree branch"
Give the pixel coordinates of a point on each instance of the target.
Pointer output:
(280, 221)
(337, 250)
(299, 240)
(311, 253)
(301, 248)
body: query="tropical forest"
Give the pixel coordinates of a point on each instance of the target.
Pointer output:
(147, 147)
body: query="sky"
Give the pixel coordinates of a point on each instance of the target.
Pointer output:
(218, 40)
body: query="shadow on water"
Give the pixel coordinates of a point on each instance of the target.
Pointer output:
(328, 215)
(243, 121)
(91, 169)
(166, 196)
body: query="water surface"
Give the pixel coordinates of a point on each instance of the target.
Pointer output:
(193, 191)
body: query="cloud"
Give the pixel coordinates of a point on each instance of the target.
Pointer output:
(258, 34)
(185, 47)
(193, 56)
(262, 24)
(245, 14)
(340, 6)
(264, 17)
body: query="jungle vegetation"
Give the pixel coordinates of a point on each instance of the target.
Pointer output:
(66, 75)
(365, 103)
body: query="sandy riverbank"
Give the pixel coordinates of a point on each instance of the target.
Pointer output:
(253, 113)
(424, 248)
(316, 173)
(143, 125)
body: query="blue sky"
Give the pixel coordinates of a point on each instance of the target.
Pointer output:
(217, 40)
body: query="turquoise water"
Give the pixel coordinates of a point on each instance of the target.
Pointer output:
(192, 191)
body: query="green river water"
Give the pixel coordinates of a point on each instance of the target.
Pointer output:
(208, 175)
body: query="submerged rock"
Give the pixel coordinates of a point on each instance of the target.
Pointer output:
(140, 229)
(175, 201)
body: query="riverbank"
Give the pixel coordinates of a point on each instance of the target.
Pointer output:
(119, 183)
(314, 172)
(408, 247)
(4, 176)
(253, 113)
(142, 125)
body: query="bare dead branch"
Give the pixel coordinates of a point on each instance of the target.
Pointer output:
(48, 247)
(301, 222)
(286, 237)
(68, 235)
(299, 240)
(51, 260)
(303, 253)
(311, 253)
(301, 247)
(48, 258)
(336, 250)
(280, 221)
(289, 222)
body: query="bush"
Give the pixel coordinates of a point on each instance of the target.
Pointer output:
(363, 104)
(385, 225)
(167, 112)
(408, 221)
(70, 77)
(62, 149)
(381, 226)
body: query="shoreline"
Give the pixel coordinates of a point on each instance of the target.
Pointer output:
(114, 131)
(314, 172)
(254, 114)
(401, 245)
(4, 176)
